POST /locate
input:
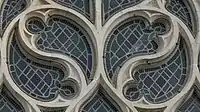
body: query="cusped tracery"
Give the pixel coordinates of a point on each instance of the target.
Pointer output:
(40, 81)
(62, 35)
(132, 38)
(49, 56)
(160, 83)
(86, 7)
(8, 102)
(191, 104)
(9, 10)
(183, 10)
(113, 6)
(35, 25)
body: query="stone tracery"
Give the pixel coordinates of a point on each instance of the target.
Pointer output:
(62, 36)
(131, 39)
(40, 81)
(9, 10)
(192, 104)
(113, 6)
(162, 82)
(183, 10)
(135, 39)
(83, 6)
(8, 102)
(100, 103)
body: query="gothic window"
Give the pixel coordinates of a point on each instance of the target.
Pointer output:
(83, 6)
(36, 79)
(192, 104)
(9, 10)
(183, 10)
(99, 56)
(131, 39)
(113, 6)
(47, 109)
(8, 102)
(60, 35)
(160, 83)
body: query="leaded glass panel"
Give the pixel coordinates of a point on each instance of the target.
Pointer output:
(183, 10)
(9, 10)
(160, 83)
(100, 103)
(8, 103)
(84, 6)
(39, 81)
(192, 104)
(62, 36)
(130, 39)
(113, 6)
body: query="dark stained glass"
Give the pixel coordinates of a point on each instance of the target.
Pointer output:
(62, 36)
(9, 10)
(183, 10)
(113, 6)
(53, 109)
(39, 81)
(8, 103)
(35, 25)
(150, 110)
(192, 104)
(130, 39)
(83, 6)
(160, 83)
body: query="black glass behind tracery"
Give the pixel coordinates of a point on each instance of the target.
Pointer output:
(61, 35)
(131, 38)
(9, 10)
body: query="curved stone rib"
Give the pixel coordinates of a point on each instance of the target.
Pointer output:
(35, 25)
(42, 82)
(161, 83)
(191, 105)
(8, 102)
(130, 39)
(83, 6)
(61, 35)
(9, 10)
(111, 7)
(53, 109)
(150, 110)
(183, 10)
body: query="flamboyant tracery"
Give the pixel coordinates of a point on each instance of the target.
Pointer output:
(160, 83)
(9, 10)
(114, 58)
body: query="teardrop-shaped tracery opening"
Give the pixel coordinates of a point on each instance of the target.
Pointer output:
(64, 36)
(38, 78)
(161, 81)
